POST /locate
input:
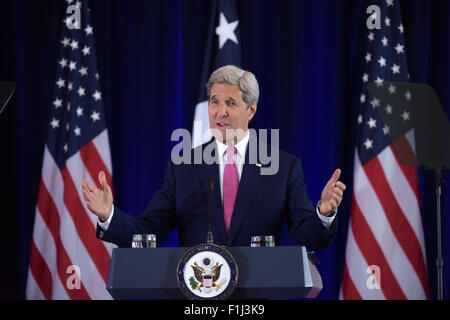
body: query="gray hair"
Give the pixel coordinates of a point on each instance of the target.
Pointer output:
(233, 75)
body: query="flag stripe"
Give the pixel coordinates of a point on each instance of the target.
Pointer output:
(374, 214)
(201, 132)
(400, 225)
(78, 173)
(33, 290)
(355, 261)
(403, 193)
(373, 254)
(50, 216)
(349, 291)
(84, 227)
(45, 244)
(101, 143)
(94, 163)
(91, 278)
(409, 172)
(40, 269)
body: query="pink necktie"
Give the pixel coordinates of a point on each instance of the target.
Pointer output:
(230, 186)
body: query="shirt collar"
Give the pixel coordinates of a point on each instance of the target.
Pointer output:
(241, 146)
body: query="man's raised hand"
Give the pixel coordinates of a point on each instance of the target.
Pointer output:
(332, 194)
(99, 201)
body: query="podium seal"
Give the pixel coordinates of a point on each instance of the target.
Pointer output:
(207, 272)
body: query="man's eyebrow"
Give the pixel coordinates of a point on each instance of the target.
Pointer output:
(227, 98)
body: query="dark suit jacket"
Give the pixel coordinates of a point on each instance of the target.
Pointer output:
(262, 205)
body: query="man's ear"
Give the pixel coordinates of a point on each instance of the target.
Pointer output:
(252, 110)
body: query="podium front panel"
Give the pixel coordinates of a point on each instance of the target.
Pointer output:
(264, 273)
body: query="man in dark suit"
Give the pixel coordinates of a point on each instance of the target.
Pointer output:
(247, 203)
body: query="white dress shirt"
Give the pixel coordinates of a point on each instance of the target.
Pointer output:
(239, 159)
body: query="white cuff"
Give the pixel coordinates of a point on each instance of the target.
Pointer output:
(105, 225)
(326, 221)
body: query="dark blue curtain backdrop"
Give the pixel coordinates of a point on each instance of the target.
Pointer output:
(150, 55)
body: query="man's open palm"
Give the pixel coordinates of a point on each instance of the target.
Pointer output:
(99, 201)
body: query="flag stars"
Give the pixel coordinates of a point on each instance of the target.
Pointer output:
(399, 48)
(88, 30)
(360, 119)
(379, 81)
(79, 111)
(387, 22)
(97, 95)
(386, 129)
(66, 148)
(368, 57)
(225, 31)
(362, 98)
(392, 89)
(365, 77)
(371, 36)
(57, 103)
(372, 123)
(65, 42)
(67, 21)
(77, 131)
(95, 116)
(390, 3)
(384, 41)
(86, 50)
(368, 144)
(74, 45)
(68, 106)
(405, 116)
(408, 95)
(72, 65)
(81, 91)
(375, 102)
(61, 83)
(382, 62)
(388, 109)
(54, 123)
(83, 71)
(63, 63)
(70, 86)
(395, 69)
(400, 28)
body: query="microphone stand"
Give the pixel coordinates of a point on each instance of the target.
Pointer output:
(209, 237)
(439, 259)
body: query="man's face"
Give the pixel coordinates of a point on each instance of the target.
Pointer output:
(227, 111)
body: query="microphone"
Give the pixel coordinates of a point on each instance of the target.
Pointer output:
(209, 237)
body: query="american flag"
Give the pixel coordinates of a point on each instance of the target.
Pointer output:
(385, 255)
(223, 48)
(66, 259)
